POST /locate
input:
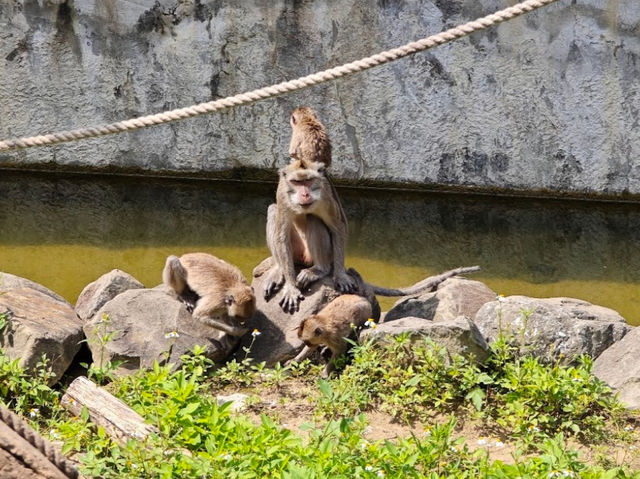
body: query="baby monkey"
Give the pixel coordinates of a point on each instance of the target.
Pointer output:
(215, 291)
(335, 322)
(309, 139)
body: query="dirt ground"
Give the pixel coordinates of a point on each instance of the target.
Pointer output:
(291, 405)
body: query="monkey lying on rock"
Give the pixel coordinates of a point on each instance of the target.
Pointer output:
(346, 314)
(214, 291)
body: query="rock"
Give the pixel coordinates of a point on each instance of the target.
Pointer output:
(39, 324)
(238, 401)
(104, 289)
(278, 339)
(9, 281)
(552, 328)
(454, 297)
(458, 335)
(150, 325)
(618, 366)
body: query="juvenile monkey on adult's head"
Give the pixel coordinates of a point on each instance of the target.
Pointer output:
(216, 291)
(309, 139)
(307, 226)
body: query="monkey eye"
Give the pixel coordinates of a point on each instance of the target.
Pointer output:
(318, 331)
(229, 300)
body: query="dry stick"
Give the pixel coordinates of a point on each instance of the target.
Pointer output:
(280, 88)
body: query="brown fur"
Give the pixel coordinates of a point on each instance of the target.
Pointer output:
(309, 139)
(307, 226)
(223, 297)
(335, 322)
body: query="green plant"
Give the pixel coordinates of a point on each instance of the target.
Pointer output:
(102, 371)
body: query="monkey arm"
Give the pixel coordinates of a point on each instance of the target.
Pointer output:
(236, 331)
(304, 354)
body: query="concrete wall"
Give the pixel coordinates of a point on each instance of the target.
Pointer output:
(547, 102)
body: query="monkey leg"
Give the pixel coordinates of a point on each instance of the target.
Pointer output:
(341, 280)
(319, 242)
(174, 275)
(206, 307)
(273, 282)
(304, 354)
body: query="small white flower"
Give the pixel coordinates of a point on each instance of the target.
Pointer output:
(34, 411)
(632, 448)
(380, 473)
(134, 466)
(482, 441)
(368, 467)
(566, 473)
(427, 432)
(628, 428)
(363, 445)
(255, 333)
(370, 323)
(499, 444)
(501, 298)
(54, 434)
(172, 334)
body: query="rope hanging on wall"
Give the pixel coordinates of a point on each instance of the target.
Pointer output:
(280, 88)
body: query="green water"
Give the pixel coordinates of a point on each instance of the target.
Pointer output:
(64, 232)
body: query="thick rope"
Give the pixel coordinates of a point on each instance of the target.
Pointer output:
(280, 88)
(25, 431)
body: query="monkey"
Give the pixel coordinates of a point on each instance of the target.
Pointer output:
(336, 321)
(348, 313)
(214, 291)
(309, 139)
(306, 225)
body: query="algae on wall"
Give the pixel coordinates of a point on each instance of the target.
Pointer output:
(547, 101)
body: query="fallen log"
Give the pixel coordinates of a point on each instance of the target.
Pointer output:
(118, 420)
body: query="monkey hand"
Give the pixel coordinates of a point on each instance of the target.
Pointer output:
(344, 283)
(308, 276)
(291, 297)
(273, 282)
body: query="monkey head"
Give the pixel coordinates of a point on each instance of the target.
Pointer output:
(300, 114)
(303, 181)
(240, 303)
(310, 331)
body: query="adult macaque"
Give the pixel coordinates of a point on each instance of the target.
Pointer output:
(336, 321)
(216, 291)
(306, 226)
(309, 139)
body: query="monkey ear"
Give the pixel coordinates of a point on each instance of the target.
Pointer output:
(318, 331)
(229, 300)
(293, 119)
(321, 168)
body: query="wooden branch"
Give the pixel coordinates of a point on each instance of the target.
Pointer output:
(118, 420)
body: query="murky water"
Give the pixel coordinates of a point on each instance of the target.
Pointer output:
(64, 232)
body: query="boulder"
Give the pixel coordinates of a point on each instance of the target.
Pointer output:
(9, 281)
(618, 366)
(457, 336)
(104, 289)
(552, 328)
(453, 298)
(278, 339)
(148, 325)
(38, 324)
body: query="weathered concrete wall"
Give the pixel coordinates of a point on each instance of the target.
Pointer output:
(550, 101)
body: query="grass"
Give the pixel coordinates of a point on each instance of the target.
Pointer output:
(546, 414)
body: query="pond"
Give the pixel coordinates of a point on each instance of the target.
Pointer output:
(66, 231)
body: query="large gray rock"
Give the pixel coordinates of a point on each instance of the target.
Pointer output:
(454, 297)
(278, 339)
(39, 324)
(459, 115)
(619, 367)
(104, 289)
(9, 281)
(459, 336)
(149, 325)
(552, 328)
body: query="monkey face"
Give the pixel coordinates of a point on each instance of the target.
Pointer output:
(241, 304)
(310, 332)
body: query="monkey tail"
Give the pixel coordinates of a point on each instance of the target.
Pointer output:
(428, 284)
(174, 275)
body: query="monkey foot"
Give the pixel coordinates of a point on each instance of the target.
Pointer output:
(308, 276)
(273, 283)
(345, 283)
